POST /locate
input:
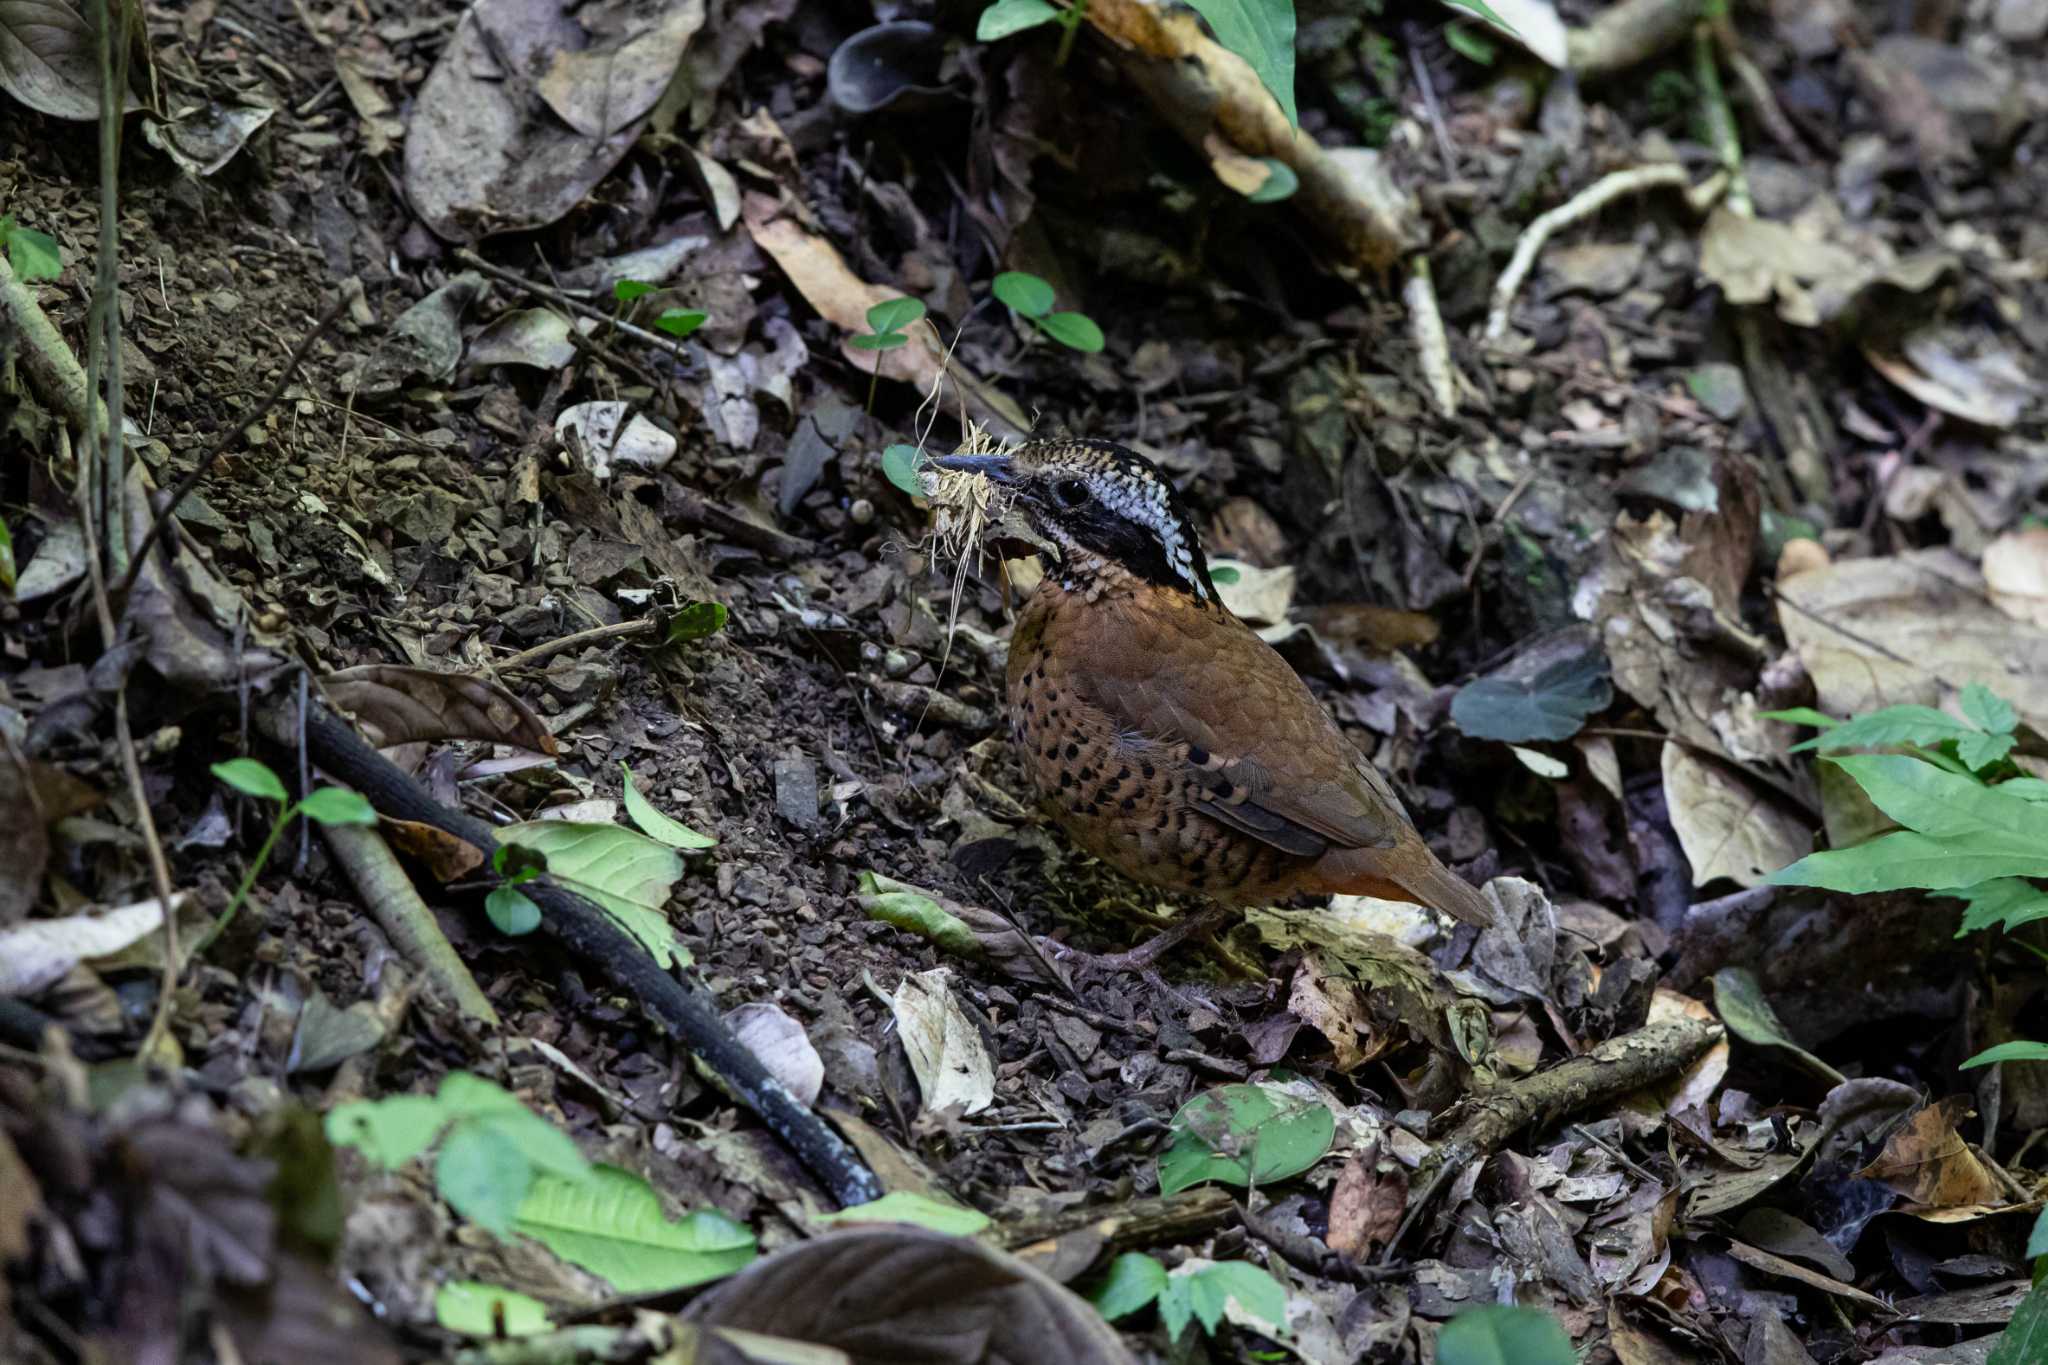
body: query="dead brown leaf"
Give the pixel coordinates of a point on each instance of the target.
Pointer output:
(399, 705)
(1928, 1162)
(1366, 1206)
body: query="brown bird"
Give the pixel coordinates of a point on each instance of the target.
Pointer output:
(1165, 736)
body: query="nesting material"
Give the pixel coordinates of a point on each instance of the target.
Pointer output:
(964, 505)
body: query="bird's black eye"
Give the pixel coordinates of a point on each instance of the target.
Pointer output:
(1070, 492)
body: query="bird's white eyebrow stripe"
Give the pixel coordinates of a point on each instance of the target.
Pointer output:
(1146, 501)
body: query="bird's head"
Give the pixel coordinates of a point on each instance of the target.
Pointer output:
(1096, 509)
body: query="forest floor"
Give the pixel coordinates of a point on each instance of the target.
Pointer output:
(1782, 449)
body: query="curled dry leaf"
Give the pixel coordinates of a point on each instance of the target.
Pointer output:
(37, 952)
(608, 431)
(399, 705)
(1367, 1205)
(781, 1045)
(1928, 1162)
(888, 1294)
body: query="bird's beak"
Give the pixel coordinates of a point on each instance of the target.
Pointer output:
(1000, 468)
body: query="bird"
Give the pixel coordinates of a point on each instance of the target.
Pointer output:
(1160, 732)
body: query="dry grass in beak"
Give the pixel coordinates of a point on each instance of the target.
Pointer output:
(964, 506)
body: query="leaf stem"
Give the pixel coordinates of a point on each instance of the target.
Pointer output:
(248, 881)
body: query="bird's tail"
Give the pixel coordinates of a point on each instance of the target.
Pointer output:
(1406, 872)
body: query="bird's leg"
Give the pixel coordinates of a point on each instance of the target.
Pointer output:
(1143, 957)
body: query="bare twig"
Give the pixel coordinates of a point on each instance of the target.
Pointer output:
(389, 895)
(1584, 204)
(159, 872)
(548, 648)
(574, 304)
(1432, 346)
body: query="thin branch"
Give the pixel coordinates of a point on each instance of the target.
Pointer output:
(1584, 204)
(159, 872)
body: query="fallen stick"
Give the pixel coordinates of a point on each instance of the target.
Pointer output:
(389, 896)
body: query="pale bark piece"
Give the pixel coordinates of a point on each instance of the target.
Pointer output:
(947, 1054)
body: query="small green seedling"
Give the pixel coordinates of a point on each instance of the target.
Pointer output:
(899, 466)
(511, 909)
(324, 806)
(677, 322)
(32, 255)
(886, 321)
(1031, 298)
(6, 558)
(1470, 43)
(1007, 17)
(1198, 1292)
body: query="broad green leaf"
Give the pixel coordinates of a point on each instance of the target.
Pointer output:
(388, 1132)
(1026, 293)
(628, 874)
(1990, 712)
(611, 1224)
(893, 315)
(1981, 751)
(899, 466)
(1076, 331)
(906, 907)
(680, 322)
(1210, 1291)
(1551, 705)
(2005, 902)
(2026, 788)
(252, 777)
(513, 912)
(625, 291)
(1946, 805)
(482, 1174)
(1894, 725)
(1740, 1000)
(1243, 1135)
(2017, 1051)
(1261, 32)
(476, 1309)
(546, 1146)
(32, 255)
(1134, 1280)
(674, 833)
(1501, 1335)
(2025, 1339)
(695, 621)
(1281, 182)
(1006, 17)
(903, 1206)
(464, 1094)
(1904, 860)
(2037, 1240)
(337, 806)
(1802, 715)
(878, 341)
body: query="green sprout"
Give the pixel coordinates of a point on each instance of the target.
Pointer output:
(33, 255)
(323, 806)
(886, 321)
(1031, 298)
(677, 322)
(1006, 17)
(512, 910)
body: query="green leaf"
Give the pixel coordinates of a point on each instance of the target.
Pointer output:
(1076, 331)
(884, 341)
(680, 322)
(388, 1132)
(906, 907)
(2018, 1051)
(466, 1095)
(2026, 788)
(695, 621)
(2004, 902)
(1223, 573)
(627, 874)
(1006, 17)
(1990, 712)
(1981, 751)
(1739, 999)
(32, 255)
(674, 833)
(1281, 182)
(476, 1309)
(1134, 1280)
(1484, 11)
(903, 1206)
(612, 1225)
(899, 466)
(6, 558)
(1551, 705)
(1243, 1135)
(1501, 1335)
(1027, 294)
(1904, 861)
(252, 777)
(540, 1142)
(1922, 797)
(337, 806)
(2025, 1339)
(1892, 726)
(483, 1175)
(2037, 1240)
(893, 315)
(1802, 715)
(1210, 1291)
(513, 912)
(1471, 44)
(1261, 32)
(625, 291)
